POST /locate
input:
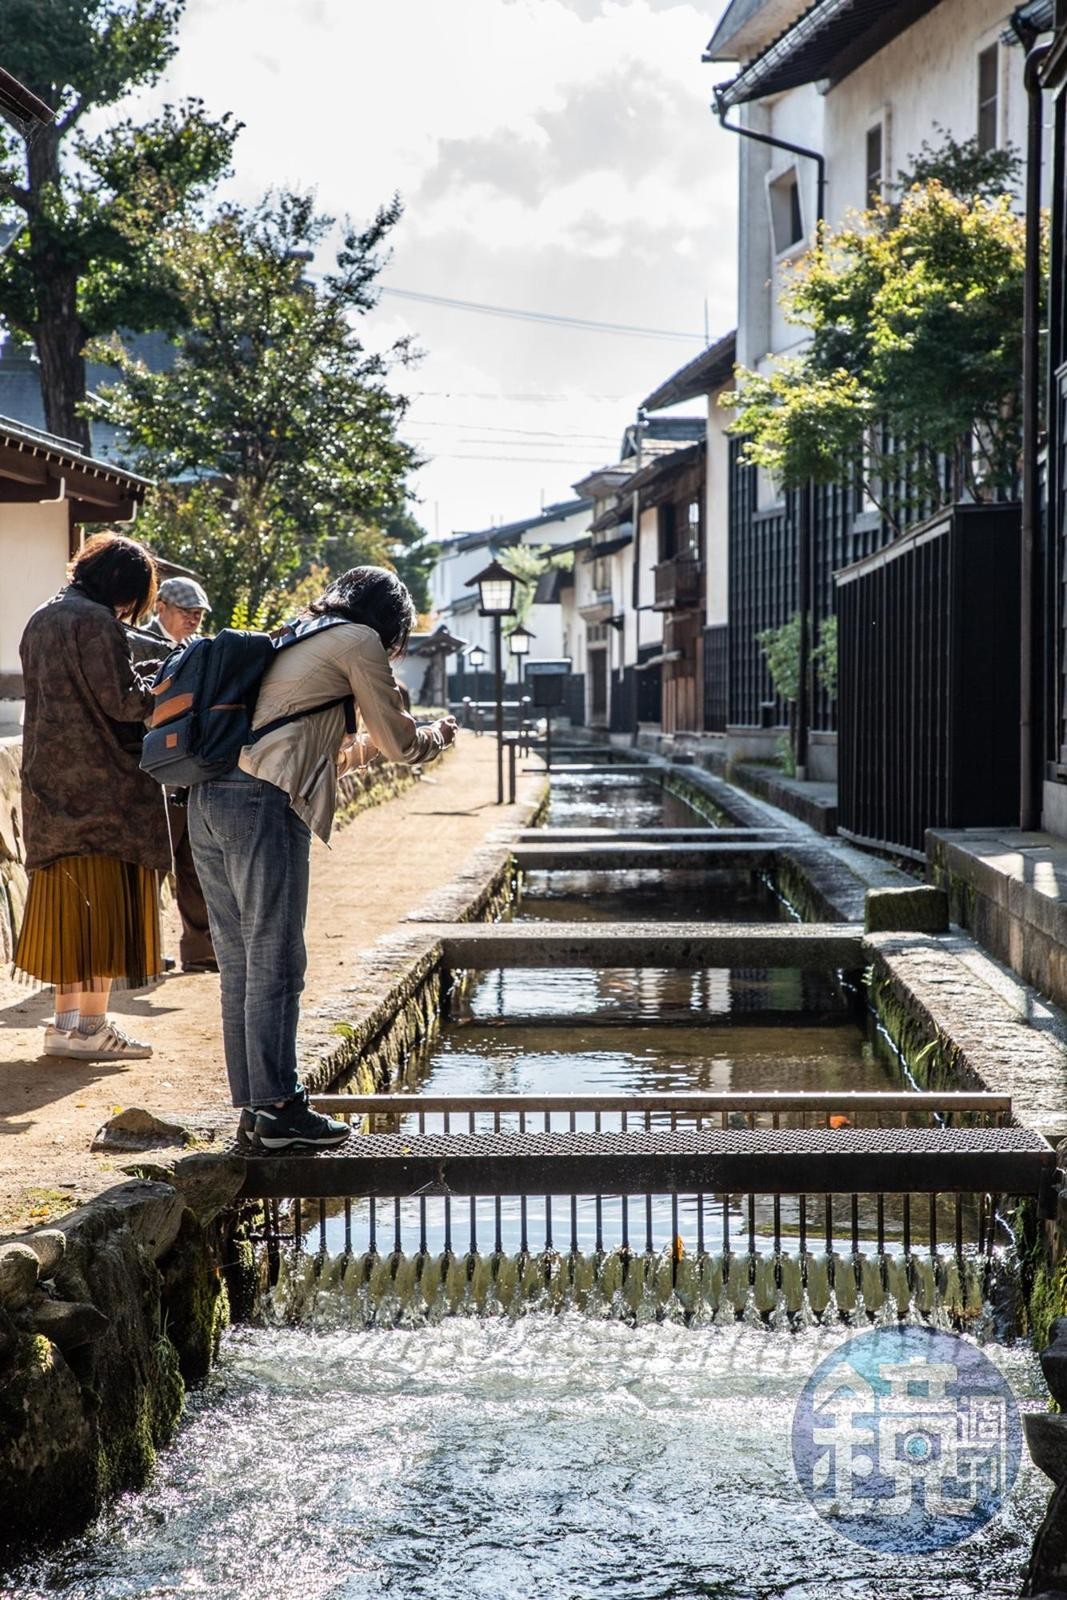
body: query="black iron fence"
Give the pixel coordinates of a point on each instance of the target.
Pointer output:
(929, 680)
(716, 683)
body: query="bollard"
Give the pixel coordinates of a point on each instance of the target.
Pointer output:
(512, 748)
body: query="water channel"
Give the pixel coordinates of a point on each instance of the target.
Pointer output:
(555, 1454)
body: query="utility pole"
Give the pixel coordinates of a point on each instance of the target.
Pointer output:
(635, 517)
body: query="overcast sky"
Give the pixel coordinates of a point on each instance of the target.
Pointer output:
(555, 156)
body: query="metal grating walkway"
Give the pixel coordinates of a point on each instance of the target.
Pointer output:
(1006, 1160)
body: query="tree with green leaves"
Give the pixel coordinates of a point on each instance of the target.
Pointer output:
(86, 211)
(275, 427)
(528, 562)
(913, 312)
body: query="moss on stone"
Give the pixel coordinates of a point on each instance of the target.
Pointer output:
(920, 908)
(930, 1059)
(698, 799)
(1046, 1301)
(195, 1302)
(241, 1274)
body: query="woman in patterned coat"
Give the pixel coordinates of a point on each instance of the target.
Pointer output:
(95, 825)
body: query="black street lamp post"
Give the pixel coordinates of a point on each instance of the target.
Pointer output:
(475, 659)
(496, 591)
(519, 645)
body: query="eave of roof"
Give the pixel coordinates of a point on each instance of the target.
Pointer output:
(511, 532)
(603, 480)
(664, 468)
(746, 25)
(608, 547)
(609, 518)
(440, 641)
(31, 444)
(705, 373)
(831, 39)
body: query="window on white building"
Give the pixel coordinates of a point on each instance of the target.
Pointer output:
(988, 100)
(787, 216)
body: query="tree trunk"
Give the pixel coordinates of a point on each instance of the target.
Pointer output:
(59, 334)
(59, 337)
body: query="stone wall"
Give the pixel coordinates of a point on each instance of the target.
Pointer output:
(104, 1320)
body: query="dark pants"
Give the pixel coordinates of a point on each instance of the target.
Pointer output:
(196, 946)
(253, 853)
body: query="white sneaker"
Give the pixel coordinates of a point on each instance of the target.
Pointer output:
(108, 1043)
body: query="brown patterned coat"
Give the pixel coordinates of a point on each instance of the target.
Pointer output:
(83, 792)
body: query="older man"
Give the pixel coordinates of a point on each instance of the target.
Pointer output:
(181, 606)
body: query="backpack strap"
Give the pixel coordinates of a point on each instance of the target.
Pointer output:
(346, 700)
(292, 633)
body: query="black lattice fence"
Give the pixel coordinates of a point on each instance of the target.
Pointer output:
(929, 681)
(716, 678)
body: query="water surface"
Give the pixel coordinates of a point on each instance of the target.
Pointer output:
(547, 1459)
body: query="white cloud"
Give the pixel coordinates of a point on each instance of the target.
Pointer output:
(557, 156)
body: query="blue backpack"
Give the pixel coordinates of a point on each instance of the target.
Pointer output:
(206, 694)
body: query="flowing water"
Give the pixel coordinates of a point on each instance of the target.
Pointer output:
(616, 800)
(547, 1459)
(601, 1425)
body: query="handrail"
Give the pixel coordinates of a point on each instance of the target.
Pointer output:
(696, 1102)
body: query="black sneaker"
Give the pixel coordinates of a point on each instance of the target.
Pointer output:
(294, 1123)
(246, 1130)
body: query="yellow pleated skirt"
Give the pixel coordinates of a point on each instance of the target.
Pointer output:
(91, 917)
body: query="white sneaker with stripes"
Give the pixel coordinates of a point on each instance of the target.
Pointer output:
(108, 1043)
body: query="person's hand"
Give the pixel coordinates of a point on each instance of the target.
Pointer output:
(447, 727)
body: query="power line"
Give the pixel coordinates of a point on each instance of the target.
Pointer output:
(518, 461)
(541, 316)
(544, 398)
(488, 428)
(528, 433)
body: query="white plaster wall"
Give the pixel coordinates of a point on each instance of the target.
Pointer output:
(33, 565)
(651, 630)
(717, 512)
(928, 75)
(798, 117)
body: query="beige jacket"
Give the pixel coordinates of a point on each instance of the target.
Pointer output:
(305, 758)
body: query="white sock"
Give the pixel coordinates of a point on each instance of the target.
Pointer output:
(91, 1024)
(67, 1020)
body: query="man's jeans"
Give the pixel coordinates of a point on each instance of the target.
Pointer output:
(252, 853)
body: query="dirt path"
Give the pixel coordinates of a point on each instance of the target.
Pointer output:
(381, 867)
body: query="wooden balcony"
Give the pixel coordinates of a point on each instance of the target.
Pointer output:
(679, 583)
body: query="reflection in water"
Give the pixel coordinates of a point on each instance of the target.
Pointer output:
(649, 895)
(623, 801)
(494, 1460)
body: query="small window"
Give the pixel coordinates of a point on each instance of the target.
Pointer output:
(988, 79)
(693, 521)
(787, 217)
(875, 164)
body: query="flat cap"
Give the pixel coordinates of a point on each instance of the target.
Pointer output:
(183, 592)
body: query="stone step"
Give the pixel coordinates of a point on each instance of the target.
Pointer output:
(685, 946)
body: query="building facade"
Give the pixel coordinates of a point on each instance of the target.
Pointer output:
(831, 102)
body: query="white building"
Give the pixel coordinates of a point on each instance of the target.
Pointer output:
(560, 528)
(856, 89)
